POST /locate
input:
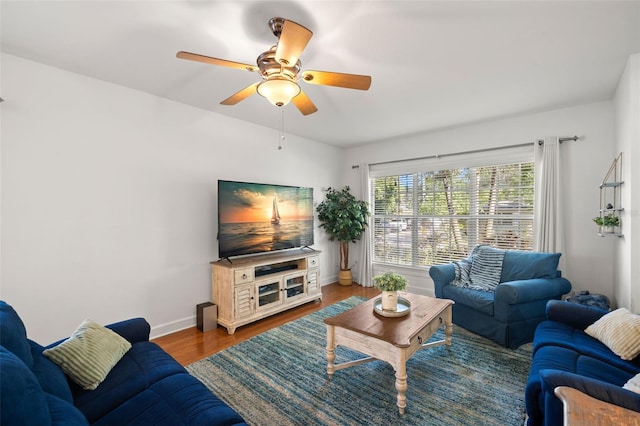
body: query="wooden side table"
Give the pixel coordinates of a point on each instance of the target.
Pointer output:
(580, 409)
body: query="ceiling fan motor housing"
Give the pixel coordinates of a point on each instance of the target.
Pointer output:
(270, 67)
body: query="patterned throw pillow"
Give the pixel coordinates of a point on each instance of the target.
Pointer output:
(486, 267)
(89, 354)
(619, 331)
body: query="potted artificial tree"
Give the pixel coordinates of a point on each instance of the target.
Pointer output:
(389, 284)
(607, 223)
(344, 218)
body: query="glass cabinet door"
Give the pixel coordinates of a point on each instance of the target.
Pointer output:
(294, 285)
(268, 293)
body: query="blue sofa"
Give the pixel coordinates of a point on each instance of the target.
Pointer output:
(509, 314)
(564, 355)
(146, 387)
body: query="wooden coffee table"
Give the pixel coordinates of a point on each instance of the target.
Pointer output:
(582, 409)
(390, 339)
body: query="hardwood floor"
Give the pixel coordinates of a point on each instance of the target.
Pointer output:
(192, 345)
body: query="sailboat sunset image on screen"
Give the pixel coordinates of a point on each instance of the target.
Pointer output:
(275, 214)
(256, 218)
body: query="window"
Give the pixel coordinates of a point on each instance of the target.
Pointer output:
(434, 217)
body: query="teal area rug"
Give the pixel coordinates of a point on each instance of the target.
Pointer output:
(280, 378)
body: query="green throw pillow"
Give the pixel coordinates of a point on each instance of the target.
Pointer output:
(89, 354)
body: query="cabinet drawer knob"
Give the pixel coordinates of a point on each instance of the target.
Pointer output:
(244, 276)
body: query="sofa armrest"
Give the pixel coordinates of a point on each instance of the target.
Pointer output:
(134, 330)
(573, 314)
(441, 275)
(522, 291)
(597, 389)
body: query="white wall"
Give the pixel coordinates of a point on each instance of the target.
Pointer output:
(588, 258)
(627, 267)
(109, 198)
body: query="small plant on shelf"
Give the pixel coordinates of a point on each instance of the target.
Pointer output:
(608, 220)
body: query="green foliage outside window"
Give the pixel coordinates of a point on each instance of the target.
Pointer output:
(448, 211)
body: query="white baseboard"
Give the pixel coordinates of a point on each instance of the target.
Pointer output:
(172, 327)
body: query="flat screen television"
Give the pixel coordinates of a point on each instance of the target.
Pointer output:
(257, 218)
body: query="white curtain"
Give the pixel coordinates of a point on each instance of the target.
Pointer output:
(548, 221)
(364, 269)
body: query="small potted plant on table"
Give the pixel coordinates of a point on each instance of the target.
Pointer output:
(389, 284)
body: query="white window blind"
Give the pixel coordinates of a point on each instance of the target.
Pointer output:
(434, 216)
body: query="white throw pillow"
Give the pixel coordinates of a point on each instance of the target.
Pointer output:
(620, 331)
(633, 384)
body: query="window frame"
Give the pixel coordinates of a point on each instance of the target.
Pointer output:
(521, 155)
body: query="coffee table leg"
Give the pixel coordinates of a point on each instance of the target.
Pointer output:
(401, 382)
(448, 326)
(331, 350)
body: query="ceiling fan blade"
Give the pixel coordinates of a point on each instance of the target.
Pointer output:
(292, 41)
(215, 61)
(304, 104)
(326, 78)
(241, 95)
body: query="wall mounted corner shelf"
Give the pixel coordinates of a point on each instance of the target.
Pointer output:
(610, 200)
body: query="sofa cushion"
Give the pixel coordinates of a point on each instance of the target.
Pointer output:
(563, 359)
(51, 378)
(13, 334)
(144, 364)
(178, 399)
(526, 265)
(89, 354)
(481, 301)
(64, 413)
(22, 400)
(557, 334)
(620, 331)
(486, 267)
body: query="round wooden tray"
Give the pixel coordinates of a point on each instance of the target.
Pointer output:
(404, 307)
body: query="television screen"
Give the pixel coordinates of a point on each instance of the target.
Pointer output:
(256, 217)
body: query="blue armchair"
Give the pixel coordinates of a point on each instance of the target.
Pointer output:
(509, 314)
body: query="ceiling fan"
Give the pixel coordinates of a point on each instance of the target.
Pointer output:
(280, 70)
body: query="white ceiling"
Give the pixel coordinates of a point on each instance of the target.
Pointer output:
(434, 64)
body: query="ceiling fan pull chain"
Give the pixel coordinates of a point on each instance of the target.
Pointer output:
(281, 136)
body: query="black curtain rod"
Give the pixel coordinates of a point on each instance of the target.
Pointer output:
(476, 151)
(572, 138)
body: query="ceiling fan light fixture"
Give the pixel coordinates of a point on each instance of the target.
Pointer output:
(278, 90)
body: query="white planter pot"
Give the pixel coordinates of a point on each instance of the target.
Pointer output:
(607, 229)
(389, 300)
